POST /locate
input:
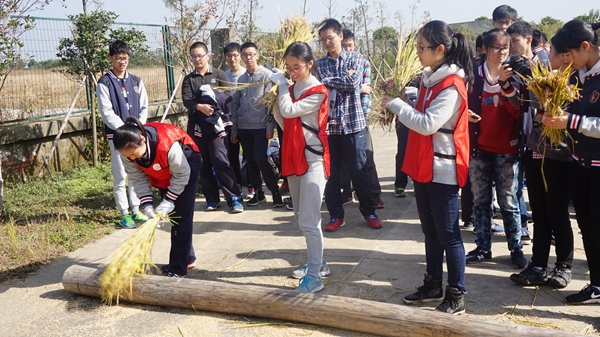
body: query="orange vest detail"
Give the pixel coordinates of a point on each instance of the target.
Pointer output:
(293, 158)
(167, 134)
(419, 148)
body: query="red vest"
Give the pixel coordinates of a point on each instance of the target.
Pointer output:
(167, 134)
(293, 159)
(419, 149)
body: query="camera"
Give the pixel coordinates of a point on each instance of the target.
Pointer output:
(518, 65)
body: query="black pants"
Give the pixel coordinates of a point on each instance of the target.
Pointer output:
(182, 251)
(466, 202)
(550, 209)
(233, 153)
(402, 135)
(255, 143)
(214, 153)
(585, 186)
(374, 186)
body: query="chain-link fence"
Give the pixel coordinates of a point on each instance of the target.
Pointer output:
(35, 88)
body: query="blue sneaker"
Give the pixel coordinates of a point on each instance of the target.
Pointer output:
(212, 206)
(127, 222)
(309, 284)
(497, 229)
(518, 258)
(302, 272)
(139, 217)
(236, 205)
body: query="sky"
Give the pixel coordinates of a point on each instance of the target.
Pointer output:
(153, 11)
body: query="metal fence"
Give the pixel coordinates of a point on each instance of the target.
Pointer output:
(36, 89)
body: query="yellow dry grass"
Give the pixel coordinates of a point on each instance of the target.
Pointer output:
(133, 257)
(40, 92)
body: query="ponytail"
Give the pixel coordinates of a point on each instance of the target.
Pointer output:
(573, 34)
(457, 52)
(129, 135)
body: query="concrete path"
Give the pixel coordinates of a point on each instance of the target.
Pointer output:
(262, 246)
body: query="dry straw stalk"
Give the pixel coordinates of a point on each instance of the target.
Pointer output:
(133, 257)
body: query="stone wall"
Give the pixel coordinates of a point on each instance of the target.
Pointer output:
(24, 146)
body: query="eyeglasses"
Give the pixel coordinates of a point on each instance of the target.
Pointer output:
(329, 39)
(232, 56)
(197, 57)
(421, 49)
(497, 49)
(295, 69)
(122, 59)
(248, 55)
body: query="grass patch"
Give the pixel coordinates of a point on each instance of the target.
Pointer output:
(48, 218)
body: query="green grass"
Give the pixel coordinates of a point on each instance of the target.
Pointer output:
(48, 218)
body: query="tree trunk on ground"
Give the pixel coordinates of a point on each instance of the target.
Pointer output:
(341, 312)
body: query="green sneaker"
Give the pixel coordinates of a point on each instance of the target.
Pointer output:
(399, 192)
(127, 222)
(139, 217)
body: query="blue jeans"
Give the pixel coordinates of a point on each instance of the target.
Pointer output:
(350, 149)
(437, 205)
(503, 169)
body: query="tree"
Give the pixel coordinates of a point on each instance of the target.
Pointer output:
(191, 24)
(246, 27)
(86, 53)
(592, 16)
(548, 25)
(14, 22)
(331, 6)
(483, 19)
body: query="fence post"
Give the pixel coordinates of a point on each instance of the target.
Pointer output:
(168, 58)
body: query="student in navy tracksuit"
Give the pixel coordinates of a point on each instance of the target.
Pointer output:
(163, 156)
(120, 95)
(577, 42)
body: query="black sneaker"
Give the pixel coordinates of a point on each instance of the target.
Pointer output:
(561, 276)
(430, 291)
(277, 201)
(454, 302)
(258, 198)
(518, 258)
(477, 255)
(530, 276)
(587, 295)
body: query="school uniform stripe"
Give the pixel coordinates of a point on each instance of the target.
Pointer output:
(595, 163)
(575, 120)
(171, 196)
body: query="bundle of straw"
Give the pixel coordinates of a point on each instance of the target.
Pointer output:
(406, 68)
(290, 30)
(553, 91)
(133, 257)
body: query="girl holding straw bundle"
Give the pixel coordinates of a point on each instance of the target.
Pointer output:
(438, 142)
(164, 156)
(302, 112)
(580, 41)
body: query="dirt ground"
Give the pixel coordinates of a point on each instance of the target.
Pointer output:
(262, 246)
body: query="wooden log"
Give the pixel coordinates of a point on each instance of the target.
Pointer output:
(328, 310)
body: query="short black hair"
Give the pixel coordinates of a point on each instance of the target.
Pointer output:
(479, 40)
(522, 28)
(536, 38)
(199, 44)
(118, 47)
(348, 34)
(330, 24)
(249, 45)
(504, 12)
(232, 46)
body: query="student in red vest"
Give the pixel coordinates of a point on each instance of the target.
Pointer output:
(438, 143)
(164, 156)
(302, 112)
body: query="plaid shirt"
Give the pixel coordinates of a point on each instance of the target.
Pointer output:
(346, 116)
(366, 98)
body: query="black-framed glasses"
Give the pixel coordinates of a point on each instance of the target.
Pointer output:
(329, 39)
(197, 57)
(232, 56)
(421, 49)
(248, 55)
(498, 49)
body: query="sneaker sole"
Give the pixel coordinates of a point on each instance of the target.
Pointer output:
(590, 301)
(518, 281)
(479, 260)
(334, 230)
(319, 288)
(278, 205)
(235, 211)
(556, 284)
(400, 195)
(254, 204)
